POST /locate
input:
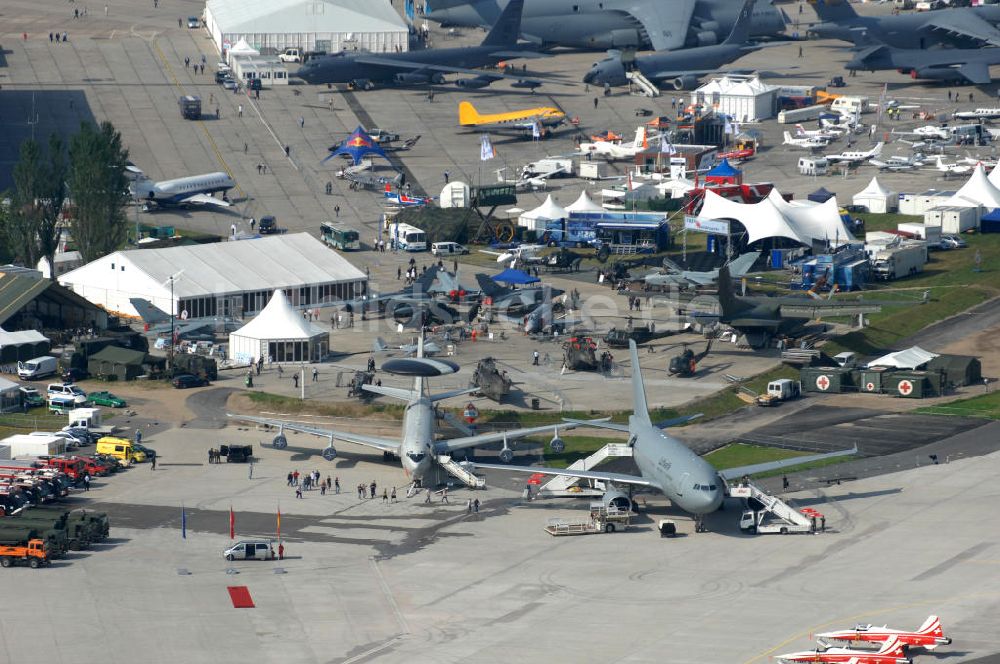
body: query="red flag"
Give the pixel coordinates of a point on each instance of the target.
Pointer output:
(232, 523)
(279, 522)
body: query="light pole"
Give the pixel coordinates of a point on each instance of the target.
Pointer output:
(173, 308)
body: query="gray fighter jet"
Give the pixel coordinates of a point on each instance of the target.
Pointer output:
(418, 450)
(950, 65)
(663, 25)
(676, 277)
(363, 70)
(965, 27)
(679, 69)
(665, 463)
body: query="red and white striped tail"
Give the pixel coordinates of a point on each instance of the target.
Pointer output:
(931, 626)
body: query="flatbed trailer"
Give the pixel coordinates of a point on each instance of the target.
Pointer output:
(601, 520)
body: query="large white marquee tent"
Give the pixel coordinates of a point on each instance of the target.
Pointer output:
(804, 222)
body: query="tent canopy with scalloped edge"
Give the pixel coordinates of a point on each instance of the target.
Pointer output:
(281, 333)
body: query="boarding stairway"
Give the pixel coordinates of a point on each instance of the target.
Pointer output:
(563, 486)
(462, 472)
(639, 84)
(772, 504)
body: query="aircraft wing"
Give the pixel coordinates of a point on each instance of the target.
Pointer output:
(382, 444)
(205, 199)
(965, 24)
(444, 69)
(977, 73)
(663, 74)
(619, 478)
(733, 473)
(666, 23)
(445, 446)
(816, 309)
(771, 323)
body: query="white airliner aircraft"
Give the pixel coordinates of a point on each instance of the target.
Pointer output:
(191, 190)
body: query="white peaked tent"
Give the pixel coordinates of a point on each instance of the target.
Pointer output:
(978, 190)
(584, 204)
(994, 176)
(675, 187)
(280, 333)
(802, 221)
(546, 212)
(242, 48)
(911, 358)
(877, 198)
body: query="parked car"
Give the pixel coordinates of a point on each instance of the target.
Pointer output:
(32, 397)
(83, 433)
(267, 225)
(194, 22)
(74, 374)
(187, 380)
(107, 399)
(229, 83)
(952, 242)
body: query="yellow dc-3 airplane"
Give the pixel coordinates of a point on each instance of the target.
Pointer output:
(544, 117)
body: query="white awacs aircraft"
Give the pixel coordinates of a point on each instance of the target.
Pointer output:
(190, 190)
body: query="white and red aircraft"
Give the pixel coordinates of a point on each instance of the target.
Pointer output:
(891, 652)
(929, 635)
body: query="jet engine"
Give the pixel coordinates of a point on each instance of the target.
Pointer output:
(684, 82)
(418, 79)
(625, 39)
(707, 38)
(279, 442)
(362, 84)
(475, 82)
(506, 455)
(557, 444)
(613, 498)
(937, 74)
(330, 453)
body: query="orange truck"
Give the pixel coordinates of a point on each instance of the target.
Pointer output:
(34, 554)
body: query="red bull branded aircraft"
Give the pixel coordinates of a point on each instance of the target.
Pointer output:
(928, 636)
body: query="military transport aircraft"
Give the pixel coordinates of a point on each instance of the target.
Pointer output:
(665, 463)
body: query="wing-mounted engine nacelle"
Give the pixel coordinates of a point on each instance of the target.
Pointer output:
(279, 442)
(613, 498)
(708, 35)
(419, 79)
(474, 83)
(362, 84)
(330, 453)
(625, 38)
(936, 74)
(684, 82)
(557, 444)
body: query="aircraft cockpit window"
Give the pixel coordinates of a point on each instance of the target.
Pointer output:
(697, 487)
(416, 457)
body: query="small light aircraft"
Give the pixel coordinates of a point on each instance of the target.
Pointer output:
(612, 150)
(898, 163)
(952, 169)
(856, 156)
(525, 253)
(826, 134)
(805, 142)
(400, 199)
(928, 636)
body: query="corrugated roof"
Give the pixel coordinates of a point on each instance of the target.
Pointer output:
(119, 355)
(16, 291)
(270, 16)
(278, 261)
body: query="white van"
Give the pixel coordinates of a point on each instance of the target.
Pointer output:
(68, 390)
(849, 105)
(448, 249)
(291, 55)
(250, 550)
(40, 367)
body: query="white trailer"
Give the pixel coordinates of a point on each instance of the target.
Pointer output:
(594, 170)
(953, 219)
(929, 234)
(550, 167)
(90, 419)
(796, 115)
(23, 445)
(899, 261)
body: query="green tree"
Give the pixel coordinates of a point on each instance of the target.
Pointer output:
(99, 190)
(32, 224)
(49, 222)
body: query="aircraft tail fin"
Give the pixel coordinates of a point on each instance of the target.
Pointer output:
(931, 626)
(467, 114)
(489, 287)
(877, 150)
(834, 10)
(149, 312)
(741, 27)
(788, 138)
(639, 405)
(741, 265)
(640, 137)
(892, 647)
(507, 29)
(426, 280)
(728, 303)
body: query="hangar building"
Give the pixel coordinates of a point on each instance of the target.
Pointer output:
(231, 279)
(271, 26)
